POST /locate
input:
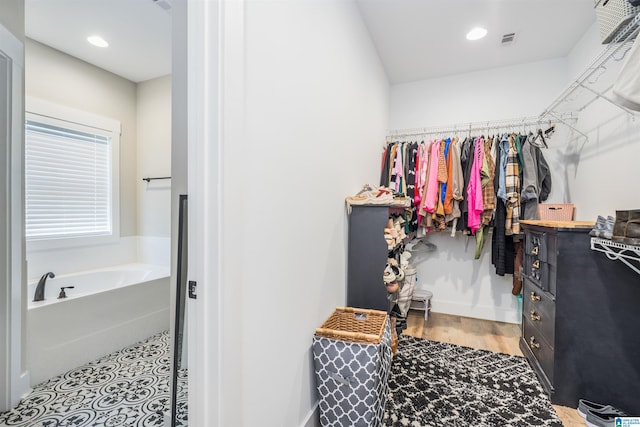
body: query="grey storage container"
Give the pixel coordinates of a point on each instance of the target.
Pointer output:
(352, 359)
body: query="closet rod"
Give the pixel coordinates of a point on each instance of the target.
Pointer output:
(565, 122)
(507, 124)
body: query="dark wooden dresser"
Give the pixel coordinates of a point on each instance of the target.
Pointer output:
(580, 317)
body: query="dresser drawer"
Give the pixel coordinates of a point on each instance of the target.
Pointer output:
(539, 347)
(540, 309)
(536, 245)
(537, 271)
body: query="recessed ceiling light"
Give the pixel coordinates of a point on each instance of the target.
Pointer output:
(97, 41)
(476, 33)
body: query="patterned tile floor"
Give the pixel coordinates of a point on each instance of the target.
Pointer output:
(126, 388)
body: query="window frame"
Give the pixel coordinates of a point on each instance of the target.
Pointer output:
(50, 113)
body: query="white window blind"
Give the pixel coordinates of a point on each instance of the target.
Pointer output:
(68, 182)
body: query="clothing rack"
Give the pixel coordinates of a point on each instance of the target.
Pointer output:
(492, 126)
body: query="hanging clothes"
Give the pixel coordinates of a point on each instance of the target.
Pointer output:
(384, 174)
(456, 184)
(488, 189)
(431, 193)
(471, 185)
(501, 244)
(536, 177)
(488, 196)
(466, 162)
(410, 173)
(398, 171)
(503, 150)
(475, 205)
(512, 188)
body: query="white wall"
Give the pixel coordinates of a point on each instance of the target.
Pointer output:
(315, 110)
(62, 79)
(460, 284)
(12, 17)
(144, 112)
(496, 94)
(154, 156)
(601, 172)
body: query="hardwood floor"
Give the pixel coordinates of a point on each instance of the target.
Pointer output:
(483, 334)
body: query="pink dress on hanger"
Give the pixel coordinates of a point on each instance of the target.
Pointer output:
(474, 190)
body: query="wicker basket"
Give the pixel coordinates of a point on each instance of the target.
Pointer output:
(556, 212)
(354, 325)
(612, 16)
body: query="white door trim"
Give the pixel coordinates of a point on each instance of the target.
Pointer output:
(216, 118)
(13, 312)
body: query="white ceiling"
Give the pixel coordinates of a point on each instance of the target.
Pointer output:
(138, 32)
(416, 39)
(421, 39)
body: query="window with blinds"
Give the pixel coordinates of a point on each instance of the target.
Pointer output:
(69, 179)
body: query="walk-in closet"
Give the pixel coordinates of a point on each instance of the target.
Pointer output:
(367, 213)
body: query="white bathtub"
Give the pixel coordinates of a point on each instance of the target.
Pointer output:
(107, 310)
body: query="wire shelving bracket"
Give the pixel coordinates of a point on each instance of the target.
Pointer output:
(614, 52)
(628, 254)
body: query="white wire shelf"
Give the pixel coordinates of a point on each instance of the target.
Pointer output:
(597, 78)
(628, 254)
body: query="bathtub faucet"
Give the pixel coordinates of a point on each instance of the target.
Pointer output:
(39, 296)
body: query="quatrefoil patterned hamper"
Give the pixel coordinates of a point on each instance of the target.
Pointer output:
(352, 358)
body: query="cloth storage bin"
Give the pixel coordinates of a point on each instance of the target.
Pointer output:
(556, 212)
(352, 359)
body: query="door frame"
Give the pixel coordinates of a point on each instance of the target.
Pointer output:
(13, 373)
(216, 69)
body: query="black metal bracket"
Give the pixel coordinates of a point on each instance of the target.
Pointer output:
(153, 179)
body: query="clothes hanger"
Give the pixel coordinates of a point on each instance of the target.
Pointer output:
(541, 135)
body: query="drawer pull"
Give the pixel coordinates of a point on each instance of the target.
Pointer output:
(533, 316)
(532, 342)
(534, 297)
(536, 264)
(534, 251)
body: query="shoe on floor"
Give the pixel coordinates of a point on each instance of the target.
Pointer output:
(597, 419)
(584, 406)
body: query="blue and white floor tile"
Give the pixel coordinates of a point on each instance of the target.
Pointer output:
(126, 388)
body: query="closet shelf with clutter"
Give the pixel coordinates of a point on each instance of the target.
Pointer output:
(380, 239)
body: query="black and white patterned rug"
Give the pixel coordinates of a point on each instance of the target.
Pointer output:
(438, 384)
(126, 388)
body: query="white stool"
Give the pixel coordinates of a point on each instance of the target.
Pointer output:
(421, 300)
